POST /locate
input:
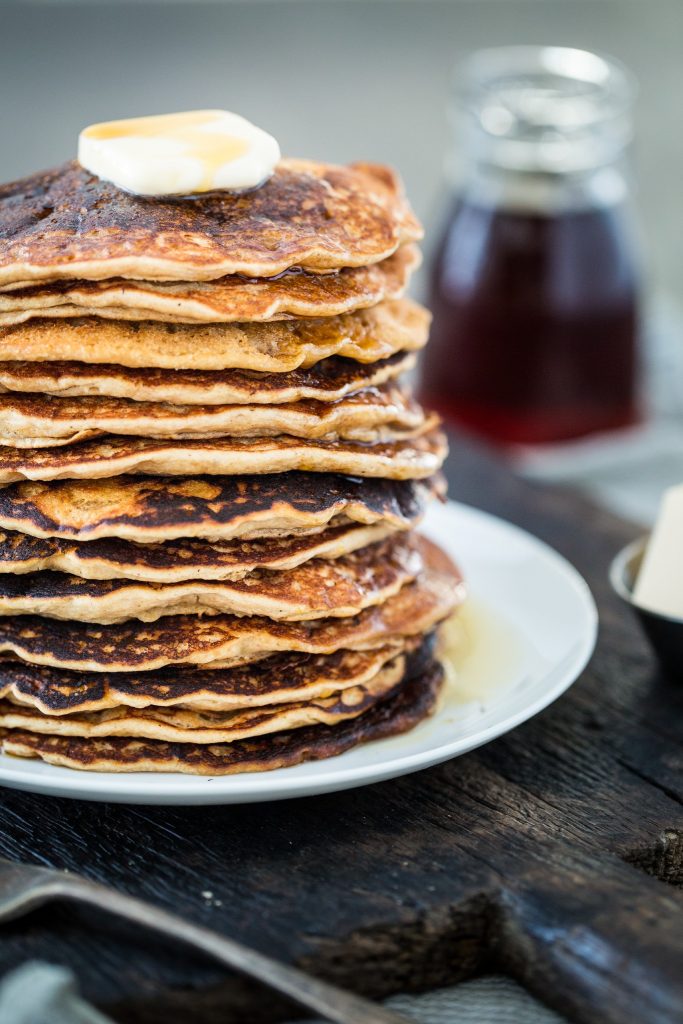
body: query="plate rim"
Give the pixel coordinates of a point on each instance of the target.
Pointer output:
(145, 787)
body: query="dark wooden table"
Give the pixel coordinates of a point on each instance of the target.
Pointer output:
(552, 854)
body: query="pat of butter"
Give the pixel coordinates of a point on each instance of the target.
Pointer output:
(659, 586)
(179, 154)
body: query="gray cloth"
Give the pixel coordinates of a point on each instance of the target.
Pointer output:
(39, 993)
(491, 1000)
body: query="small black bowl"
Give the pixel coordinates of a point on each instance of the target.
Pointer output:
(664, 632)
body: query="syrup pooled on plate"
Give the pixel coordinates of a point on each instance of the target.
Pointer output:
(480, 651)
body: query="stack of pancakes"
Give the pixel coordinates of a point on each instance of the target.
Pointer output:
(211, 473)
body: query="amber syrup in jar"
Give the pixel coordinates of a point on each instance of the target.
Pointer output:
(534, 289)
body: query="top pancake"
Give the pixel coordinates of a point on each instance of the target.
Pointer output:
(67, 223)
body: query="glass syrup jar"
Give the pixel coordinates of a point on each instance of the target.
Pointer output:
(534, 289)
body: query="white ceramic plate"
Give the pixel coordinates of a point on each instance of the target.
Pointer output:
(531, 626)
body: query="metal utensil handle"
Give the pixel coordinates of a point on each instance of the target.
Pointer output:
(332, 1003)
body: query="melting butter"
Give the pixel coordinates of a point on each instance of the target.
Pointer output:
(659, 585)
(179, 154)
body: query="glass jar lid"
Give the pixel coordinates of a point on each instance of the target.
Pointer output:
(545, 109)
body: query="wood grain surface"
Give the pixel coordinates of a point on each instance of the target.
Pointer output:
(553, 854)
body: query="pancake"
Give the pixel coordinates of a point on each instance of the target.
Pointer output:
(189, 725)
(413, 459)
(295, 293)
(374, 414)
(366, 336)
(175, 560)
(327, 381)
(320, 588)
(152, 509)
(67, 223)
(401, 711)
(223, 641)
(279, 679)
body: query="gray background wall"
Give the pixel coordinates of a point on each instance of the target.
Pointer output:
(336, 79)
